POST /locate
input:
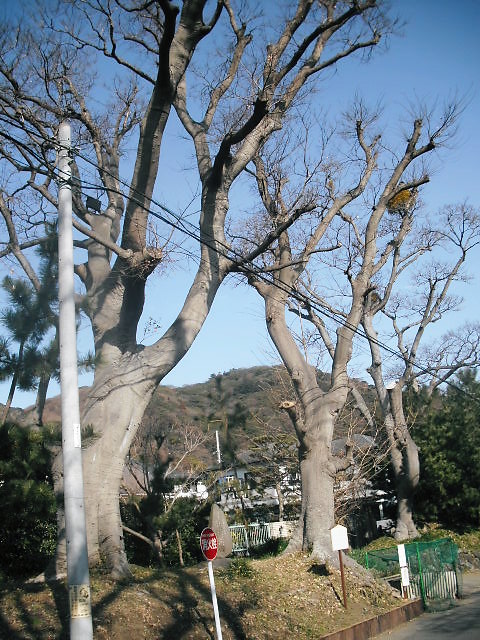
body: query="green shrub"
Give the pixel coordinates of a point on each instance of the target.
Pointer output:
(272, 547)
(188, 518)
(185, 516)
(138, 552)
(238, 568)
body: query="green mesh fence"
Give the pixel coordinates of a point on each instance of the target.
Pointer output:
(432, 566)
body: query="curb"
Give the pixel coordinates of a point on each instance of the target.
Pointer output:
(383, 622)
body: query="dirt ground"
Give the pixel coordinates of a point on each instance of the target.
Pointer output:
(274, 598)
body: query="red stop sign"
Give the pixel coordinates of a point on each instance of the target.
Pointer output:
(209, 543)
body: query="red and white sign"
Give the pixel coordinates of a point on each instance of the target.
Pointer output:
(209, 547)
(209, 544)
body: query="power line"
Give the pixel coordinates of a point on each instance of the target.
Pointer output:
(240, 264)
(249, 268)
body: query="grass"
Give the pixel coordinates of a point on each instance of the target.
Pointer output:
(467, 541)
(280, 597)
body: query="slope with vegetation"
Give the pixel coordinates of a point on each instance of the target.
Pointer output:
(246, 400)
(270, 598)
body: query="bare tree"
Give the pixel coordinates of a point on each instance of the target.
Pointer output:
(161, 476)
(275, 455)
(454, 232)
(349, 217)
(143, 52)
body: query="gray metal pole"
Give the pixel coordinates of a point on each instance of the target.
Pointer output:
(81, 627)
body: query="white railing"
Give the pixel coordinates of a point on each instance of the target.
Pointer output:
(254, 535)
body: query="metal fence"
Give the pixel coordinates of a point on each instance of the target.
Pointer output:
(432, 567)
(244, 537)
(433, 586)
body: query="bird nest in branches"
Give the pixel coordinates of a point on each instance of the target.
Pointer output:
(403, 201)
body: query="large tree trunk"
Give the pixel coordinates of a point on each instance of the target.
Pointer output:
(317, 515)
(404, 458)
(405, 464)
(313, 416)
(118, 410)
(406, 472)
(125, 381)
(115, 417)
(115, 406)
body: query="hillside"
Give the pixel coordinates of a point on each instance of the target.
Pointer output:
(241, 404)
(282, 597)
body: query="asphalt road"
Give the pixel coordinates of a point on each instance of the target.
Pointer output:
(462, 622)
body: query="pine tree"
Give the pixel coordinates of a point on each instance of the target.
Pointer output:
(28, 523)
(27, 321)
(448, 435)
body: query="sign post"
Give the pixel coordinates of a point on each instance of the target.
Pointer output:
(402, 560)
(209, 547)
(339, 537)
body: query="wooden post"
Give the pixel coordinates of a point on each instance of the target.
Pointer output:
(342, 573)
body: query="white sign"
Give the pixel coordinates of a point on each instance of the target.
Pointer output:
(405, 576)
(402, 556)
(79, 595)
(402, 561)
(77, 435)
(339, 536)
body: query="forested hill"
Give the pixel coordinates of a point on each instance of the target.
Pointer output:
(241, 398)
(242, 404)
(244, 401)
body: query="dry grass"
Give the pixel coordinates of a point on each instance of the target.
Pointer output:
(275, 598)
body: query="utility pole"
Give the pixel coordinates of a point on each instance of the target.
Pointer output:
(81, 627)
(219, 455)
(217, 439)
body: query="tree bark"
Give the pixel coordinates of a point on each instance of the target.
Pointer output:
(118, 415)
(317, 515)
(404, 458)
(313, 416)
(115, 407)
(406, 467)
(13, 384)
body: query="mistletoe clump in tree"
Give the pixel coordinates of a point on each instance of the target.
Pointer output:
(118, 70)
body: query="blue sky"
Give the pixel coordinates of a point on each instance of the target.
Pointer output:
(436, 57)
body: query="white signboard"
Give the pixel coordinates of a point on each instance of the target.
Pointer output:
(402, 556)
(339, 536)
(402, 561)
(405, 576)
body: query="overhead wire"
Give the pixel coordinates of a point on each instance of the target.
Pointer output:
(244, 265)
(249, 268)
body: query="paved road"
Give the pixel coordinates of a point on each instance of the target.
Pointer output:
(462, 622)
